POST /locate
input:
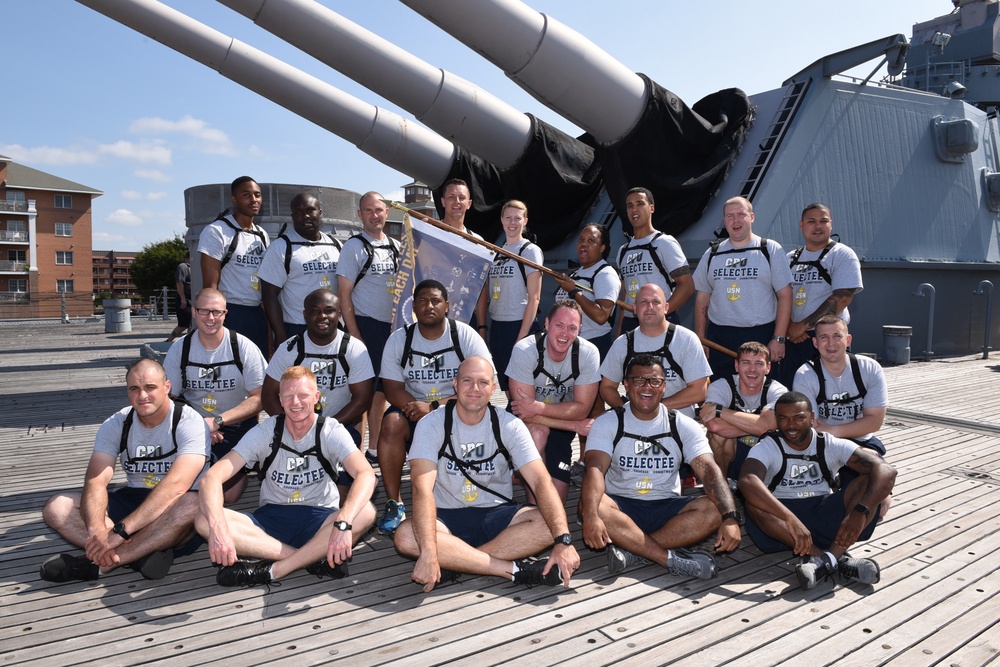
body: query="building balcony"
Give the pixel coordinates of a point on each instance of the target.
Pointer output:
(14, 297)
(13, 237)
(13, 206)
(13, 267)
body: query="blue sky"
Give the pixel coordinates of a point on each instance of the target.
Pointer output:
(92, 101)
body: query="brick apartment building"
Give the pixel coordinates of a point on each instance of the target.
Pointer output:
(45, 244)
(113, 274)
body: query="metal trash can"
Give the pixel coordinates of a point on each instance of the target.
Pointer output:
(896, 344)
(117, 315)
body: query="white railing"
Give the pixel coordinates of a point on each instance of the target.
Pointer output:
(13, 266)
(17, 237)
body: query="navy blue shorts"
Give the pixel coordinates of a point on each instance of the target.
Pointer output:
(293, 525)
(478, 525)
(650, 515)
(343, 477)
(822, 515)
(374, 335)
(559, 453)
(502, 338)
(251, 322)
(231, 435)
(184, 316)
(603, 344)
(413, 425)
(732, 338)
(293, 329)
(124, 501)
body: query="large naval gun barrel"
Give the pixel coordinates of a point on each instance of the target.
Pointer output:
(384, 135)
(506, 154)
(645, 135)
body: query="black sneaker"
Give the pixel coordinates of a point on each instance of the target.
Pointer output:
(155, 565)
(863, 570)
(371, 457)
(529, 573)
(321, 569)
(66, 567)
(620, 560)
(692, 563)
(812, 570)
(245, 573)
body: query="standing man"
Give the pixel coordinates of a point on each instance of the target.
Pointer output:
(651, 256)
(848, 392)
(419, 367)
(631, 501)
(182, 278)
(744, 290)
(738, 409)
(678, 349)
(791, 504)
(220, 373)
(231, 251)
(457, 201)
(339, 362)
(553, 379)
(301, 522)
(164, 448)
(366, 283)
(826, 275)
(298, 262)
(464, 517)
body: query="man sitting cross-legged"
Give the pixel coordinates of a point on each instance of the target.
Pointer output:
(788, 482)
(464, 518)
(301, 522)
(631, 502)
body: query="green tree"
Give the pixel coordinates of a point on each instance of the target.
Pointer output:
(155, 264)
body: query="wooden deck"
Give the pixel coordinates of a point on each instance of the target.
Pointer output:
(937, 603)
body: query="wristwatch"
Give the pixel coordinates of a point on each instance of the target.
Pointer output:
(435, 405)
(734, 515)
(119, 530)
(863, 509)
(565, 538)
(219, 421)
(780, 339)
(342, 526)
(718, 411)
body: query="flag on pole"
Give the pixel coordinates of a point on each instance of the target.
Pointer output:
(430, 253)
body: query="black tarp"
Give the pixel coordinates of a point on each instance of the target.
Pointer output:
(557, 177)
(679, 153)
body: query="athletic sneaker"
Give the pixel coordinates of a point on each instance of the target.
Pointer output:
(321, 568)
(692, 563)
(392, 516)
(66, 567)
(155, 565)
(246, 573)
(576, 473)
(863, 570)
(372, 457)
(529, 573)
(620, 560)
(812, 569)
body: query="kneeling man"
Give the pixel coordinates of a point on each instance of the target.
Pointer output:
(301, 522)
(791, 502)
(631, 502)
(464, 516)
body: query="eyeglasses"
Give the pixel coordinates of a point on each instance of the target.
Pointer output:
(640, 381)
(205, 312)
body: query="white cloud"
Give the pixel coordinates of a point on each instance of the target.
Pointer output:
(145, 152)
(135, 195)
(124, 217)
(48, 155)
(209, 139)
(154, 175)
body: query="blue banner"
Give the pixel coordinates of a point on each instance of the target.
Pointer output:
(431, 253)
